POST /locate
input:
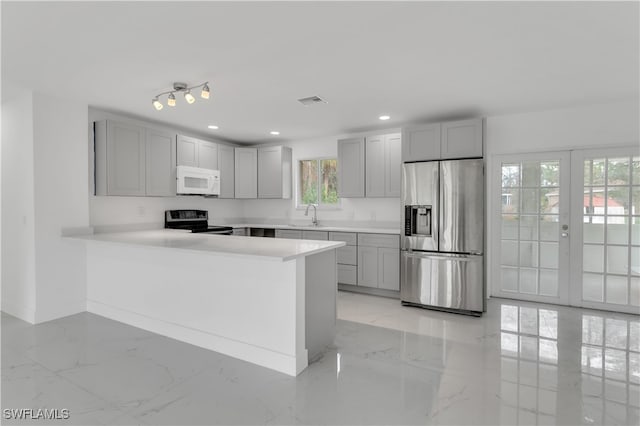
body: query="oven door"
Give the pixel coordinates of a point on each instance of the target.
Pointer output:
(197, 181)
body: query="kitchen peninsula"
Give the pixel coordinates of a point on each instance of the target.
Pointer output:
(271, 302)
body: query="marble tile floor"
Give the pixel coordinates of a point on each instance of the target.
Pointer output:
(521, 363)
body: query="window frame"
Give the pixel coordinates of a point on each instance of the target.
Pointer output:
(321, 206)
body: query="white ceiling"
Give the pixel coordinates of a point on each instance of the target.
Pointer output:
(415, 61)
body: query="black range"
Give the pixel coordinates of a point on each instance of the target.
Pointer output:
(197, 221)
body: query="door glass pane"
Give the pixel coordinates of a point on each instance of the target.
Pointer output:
(617, 289)
(592, 258)
(528, 227)
(549, 282)
(510, 227)
(528, 281)
(528, 254)
(509, 279)
(550, 173)
(549, 255)
(593, 232)
(509, 253)
(617, 260)
(592, 287)
(618, 171)
(530, 201)
(549, 228)
(617, 230)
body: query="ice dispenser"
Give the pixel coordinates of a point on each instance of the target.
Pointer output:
(417, 220)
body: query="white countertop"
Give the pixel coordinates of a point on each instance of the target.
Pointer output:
(395, 231)
(265, 248)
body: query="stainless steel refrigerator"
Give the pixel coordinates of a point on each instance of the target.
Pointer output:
(443, 240)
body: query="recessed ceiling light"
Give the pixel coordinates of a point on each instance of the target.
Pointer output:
(212, 127)
(384, 117)
(274, 132)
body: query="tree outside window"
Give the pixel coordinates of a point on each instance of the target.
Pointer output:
(318, 182)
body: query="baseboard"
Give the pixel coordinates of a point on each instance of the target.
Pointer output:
(256, 355)
(392, 294)
(19, 311)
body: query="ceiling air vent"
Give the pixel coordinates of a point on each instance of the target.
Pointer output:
(312, 100)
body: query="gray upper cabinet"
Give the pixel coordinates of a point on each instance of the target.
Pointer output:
(226, 165)
(160, 163)
(393, 165)
(274, 172)
(196, 153)
(119, 158)
(351, 168)
(441, 141)
(246, 176)
(421, 143)
(375, 165)
(383, 165)
(461, 139)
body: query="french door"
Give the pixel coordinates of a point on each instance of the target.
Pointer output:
(531, 248)
(568, 228)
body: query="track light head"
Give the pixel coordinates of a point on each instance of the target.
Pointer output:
(189, 97)
(171, 101)
(157, 104)
(205, 91)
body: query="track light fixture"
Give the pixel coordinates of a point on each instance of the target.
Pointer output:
(181, 88)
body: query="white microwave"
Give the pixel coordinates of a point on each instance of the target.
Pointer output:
(197, 181)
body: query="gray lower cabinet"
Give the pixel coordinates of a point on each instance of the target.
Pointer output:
(347, 257)
(160, 164)
(274, 172)
(226, 165)
(241, 232)
(379, 261)
(389, 268)
(246, 176)
(196, 153)
(315, 235)
(368, 266)
(289, 233)
(351, 168)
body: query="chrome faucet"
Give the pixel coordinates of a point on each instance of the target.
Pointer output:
(314, 219)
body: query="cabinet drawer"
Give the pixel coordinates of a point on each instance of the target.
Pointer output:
(240, 231)
(347, 274)
(379, 240)
(348, 237)
(315, 235)
(288, 233)
(347, 255)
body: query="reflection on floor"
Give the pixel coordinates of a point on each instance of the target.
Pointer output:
(521, 363)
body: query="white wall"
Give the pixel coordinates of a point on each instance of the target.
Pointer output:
(105, 211)
(608, 124)
(60, 170)
(18, 248)
(386, 210)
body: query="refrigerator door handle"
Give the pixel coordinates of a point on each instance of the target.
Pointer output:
(460, 257)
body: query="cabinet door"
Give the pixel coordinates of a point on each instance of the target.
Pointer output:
(160, 164)
(246, 175)
(389, 269)
(315, 235)
(351, 168)
(270, 172)
(421, 143)
(187, 151)
(393, 165)
(289, 233)
(368, 266)
(226, 165)
(208, 155)
(462, 139)
(125, 159)
(374, 165)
